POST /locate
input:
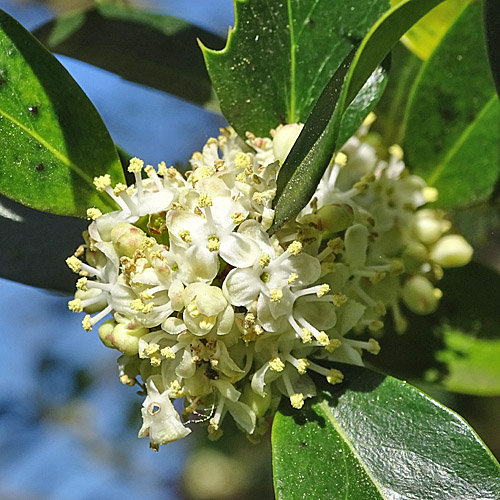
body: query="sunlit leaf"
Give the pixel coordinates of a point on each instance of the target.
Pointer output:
(375, 437)
(52, 140)
(423, 38)
(280, 56)
(452, 132)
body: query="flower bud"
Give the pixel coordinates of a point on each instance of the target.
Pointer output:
(127, 239)
(118, 336)
(452, 251)
(335, 217)
(420, 296)
(429, 226)
(284, 139)
(257, 403)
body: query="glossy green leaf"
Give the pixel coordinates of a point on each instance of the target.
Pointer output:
(375, 437)
(492, 32)
(452, 132)
(143, 47)
(281, 55)
(314, 147)
(457, 347)
(52, 140)
(35, 245)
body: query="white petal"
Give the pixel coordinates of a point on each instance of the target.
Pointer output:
(242, 286)
(239, 250)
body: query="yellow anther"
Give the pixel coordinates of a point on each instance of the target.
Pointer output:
(75, 306)
(297, 400)
(292, 278)
(249, 320)
(295, 248)
(93, 213)
(145, 295)
(150, 170)
(167, 352)
(376, 325)
(87, 323)
(377, 277)
(151, 349)
(130, 191)
(102, 182)
(374, 346)
(341, 159)
(213, 243)
(119, 188)
(242, 160)
(204, 201)
(135, 165)
(185, 235)
(148, 308)
(137, 305)
(176, 389)
(74, 264)
(276, 295)
(162, 168)
(264, 260)
(238, 217)
(172, 172)
(397, 267)
(208, 322)
(241, 177)
(258, 198)
(430, 194)
(323, 339)
(323, 290)
(437, 293)
(81, 284)
(307, 336)
(193, 310)
(339, 299)
(397, 151)
(333, 345)
(276, 364)
(334, 376)
(155, 360)
(380, 309)
(369, 119)
(302, 366)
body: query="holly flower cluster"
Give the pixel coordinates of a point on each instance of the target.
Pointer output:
(207, 306)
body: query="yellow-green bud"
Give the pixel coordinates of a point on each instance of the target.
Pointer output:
(127, 239)
(420, 296)
(452, 251)
(259, 404)
(335, 217)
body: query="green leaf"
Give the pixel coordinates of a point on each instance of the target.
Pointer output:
(281, 55)
(151, 49)
(35, 245)
(312, 151)
(375, 437)
(452, 125)
(458, 346)
(492, 32)
(52, 140)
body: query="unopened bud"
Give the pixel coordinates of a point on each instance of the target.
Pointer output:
(419, 295)
(452, 251)
(127, 239)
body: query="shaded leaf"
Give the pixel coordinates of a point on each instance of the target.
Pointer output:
(492, 31)
(376, 437)
(151, 49)
(281, 55)
(35, 245)
(312, 151)
(452, 128)
(458, 346)
(52, 140)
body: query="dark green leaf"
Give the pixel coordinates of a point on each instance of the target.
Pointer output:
(375, 437)
(492, 31)
(52, 140)
(151, 49)
(35, 245)
(281, 55)
(309, 157)
(458, 346)
(453, 121)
